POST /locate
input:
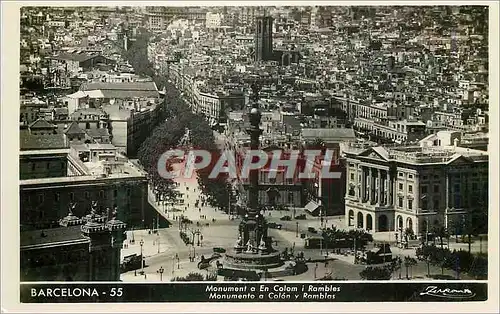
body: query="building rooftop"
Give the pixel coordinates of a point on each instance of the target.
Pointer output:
(329, 135)
(54, 236)
(38, 142)
(418, 154)
(122, 90)
(80, 57)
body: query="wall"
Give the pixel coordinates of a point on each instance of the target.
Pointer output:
(33, 167)
(46, 201)
(55, 263)
(120, 133)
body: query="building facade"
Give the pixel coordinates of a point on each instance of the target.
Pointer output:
(415, 188)
(80, 249)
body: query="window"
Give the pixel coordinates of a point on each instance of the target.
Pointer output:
(87, 125)
(436, 188)
(457, 187)
(400, 202)
(87, 195)
(57, 197)
(436, 204)
(40, 198)
(436, 177)
(401, 174)
(128, 192)
(290, 198)
(352, 176)
(33, 166)
(410, 204)
(115, 193)
(72, 196)
(401, 186)
(424, 204)
(458, 201)
(424, 189)
(425, 177)
(410, 176)
(101, 194)
(48, 165)
(410, 188)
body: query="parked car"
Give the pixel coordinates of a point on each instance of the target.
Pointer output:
(219, 250)
(131, 262)
(312, 230)
(274, 225)
(300, 217)
(286, 218)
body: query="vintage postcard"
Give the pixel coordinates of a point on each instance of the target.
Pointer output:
(235, 156)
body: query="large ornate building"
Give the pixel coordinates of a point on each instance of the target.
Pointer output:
(416, 187)
(81, 249)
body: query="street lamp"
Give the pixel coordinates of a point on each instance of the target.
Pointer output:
(178, 261)
(297, 230)
(160, 271)
(142, 257)
(173, 265)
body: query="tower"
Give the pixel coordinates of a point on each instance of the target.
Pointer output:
(253, 250)
(106, 238)
(263, 38)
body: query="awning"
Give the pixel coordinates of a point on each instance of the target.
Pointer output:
(312, 207)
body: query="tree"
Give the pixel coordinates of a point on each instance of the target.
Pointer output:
(409, 262)
(376, 273)
(440, 232)
(196, 277)
(408, 233)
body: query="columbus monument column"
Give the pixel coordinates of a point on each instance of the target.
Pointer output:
(253, 249)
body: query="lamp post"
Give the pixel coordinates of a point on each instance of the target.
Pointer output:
(428, 260)
(173, 265)
(158, 243)
(178, 261)
(142, 257)
(297, 230)
(160, 271)
(400, 262)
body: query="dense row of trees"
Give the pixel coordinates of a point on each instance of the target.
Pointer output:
(167, 136)
(196, 277)
(137, 54)
(178, 117)
(385, 271)
(460, 261)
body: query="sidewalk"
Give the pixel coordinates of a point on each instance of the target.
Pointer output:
(152, 275)
(150, 245)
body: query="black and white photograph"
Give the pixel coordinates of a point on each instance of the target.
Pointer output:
(254, 152)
